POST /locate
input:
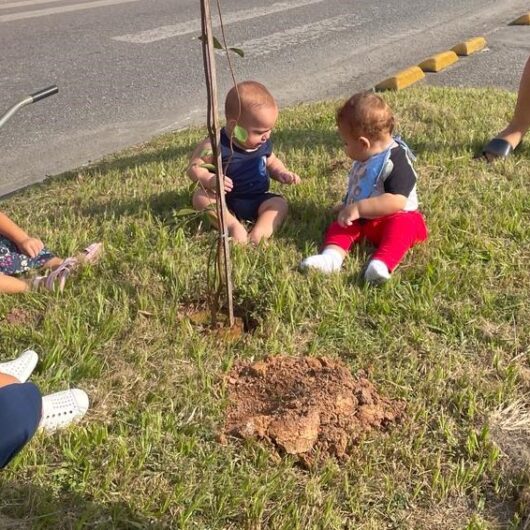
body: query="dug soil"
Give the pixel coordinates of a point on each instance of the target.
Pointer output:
(307, 406)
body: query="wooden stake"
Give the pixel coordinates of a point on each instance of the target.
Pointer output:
(224, 263)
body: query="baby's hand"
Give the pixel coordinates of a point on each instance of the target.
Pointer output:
(288, 177)
(31, 246)
(348, 215)
(212, 184)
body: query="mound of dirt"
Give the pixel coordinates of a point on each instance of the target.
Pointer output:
(305, 405)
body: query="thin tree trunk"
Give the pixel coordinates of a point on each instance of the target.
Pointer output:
(224, 262)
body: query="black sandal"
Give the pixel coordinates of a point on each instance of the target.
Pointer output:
(496, 148)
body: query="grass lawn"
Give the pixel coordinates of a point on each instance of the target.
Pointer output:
(449, 335)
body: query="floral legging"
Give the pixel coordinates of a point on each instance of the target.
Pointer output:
(12, 262)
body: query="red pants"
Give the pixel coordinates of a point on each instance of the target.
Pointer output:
(393, 235)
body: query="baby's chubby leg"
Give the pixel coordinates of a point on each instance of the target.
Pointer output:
(203, 199)
(271, 215)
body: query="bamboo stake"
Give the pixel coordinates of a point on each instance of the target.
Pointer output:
(224, 263)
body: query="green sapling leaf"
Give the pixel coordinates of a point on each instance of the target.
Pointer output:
(240, 134)
(217, 45)
(211, 167)
(239, 51)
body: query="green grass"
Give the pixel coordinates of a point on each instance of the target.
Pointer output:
(448, 335)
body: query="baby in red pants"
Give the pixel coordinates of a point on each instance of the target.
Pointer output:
(380, 204)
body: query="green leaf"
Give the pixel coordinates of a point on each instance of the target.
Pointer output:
(206, 152)
(211, 167)
(239, 51)
(184, 212)
(240, 134)
(217, 45)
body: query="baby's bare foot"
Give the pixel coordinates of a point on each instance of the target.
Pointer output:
(238, 234)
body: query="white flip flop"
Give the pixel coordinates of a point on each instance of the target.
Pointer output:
(22, 367)
(62, 408)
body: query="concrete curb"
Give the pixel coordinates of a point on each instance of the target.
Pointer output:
(470, 46)
(523, 20)
(436, 63)
(439, 61)
(401, 80)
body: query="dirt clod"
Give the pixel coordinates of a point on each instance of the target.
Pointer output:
(305, 405)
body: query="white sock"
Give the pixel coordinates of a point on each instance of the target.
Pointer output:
(376, 272)
(330, 260)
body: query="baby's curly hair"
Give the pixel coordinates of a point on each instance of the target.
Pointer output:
(366, 114)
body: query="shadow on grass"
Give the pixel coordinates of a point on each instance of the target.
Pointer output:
(24, 506)
(144, 155)
(161, 205)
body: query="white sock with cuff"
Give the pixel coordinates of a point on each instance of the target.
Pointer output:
(330, 260)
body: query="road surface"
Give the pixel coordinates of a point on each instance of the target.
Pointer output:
(130, 69)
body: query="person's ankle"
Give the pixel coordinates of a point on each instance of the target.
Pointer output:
(512, 136)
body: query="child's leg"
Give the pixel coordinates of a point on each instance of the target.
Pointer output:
(271, 214)
(394, 235)
(20, 415)
(337, 243)
(52, 263)
(6, 380)
(10, 285)
(202, 200)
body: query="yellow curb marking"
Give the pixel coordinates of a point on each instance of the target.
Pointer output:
(402, 79)
(470, 46)
(521, 21)
(439, 61)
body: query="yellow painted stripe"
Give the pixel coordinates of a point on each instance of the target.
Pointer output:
(470, 46)
(439, 61)
(402, 79)
(521, 21)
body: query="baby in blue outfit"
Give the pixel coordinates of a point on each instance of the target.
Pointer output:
(247, 165)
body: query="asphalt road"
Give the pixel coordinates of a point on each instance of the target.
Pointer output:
(129, 69)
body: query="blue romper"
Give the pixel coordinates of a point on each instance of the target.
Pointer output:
(248, 171)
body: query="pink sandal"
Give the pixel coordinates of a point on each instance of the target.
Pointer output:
(92, 253)
(54, 281)
(57, 278)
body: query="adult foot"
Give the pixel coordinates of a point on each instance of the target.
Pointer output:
(502, 145)
(63, 408)
(496, 148)
(22, 367)
(376, 272)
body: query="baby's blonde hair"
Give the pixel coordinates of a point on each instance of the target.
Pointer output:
(253, 95)
(366, 114)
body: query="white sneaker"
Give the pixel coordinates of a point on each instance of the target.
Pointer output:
(22, 367)
(62, 408)
(376, 272)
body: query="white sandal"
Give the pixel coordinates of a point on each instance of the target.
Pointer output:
(62, 408)
(22, 367)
